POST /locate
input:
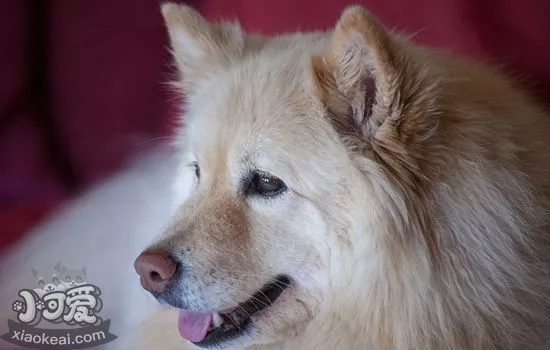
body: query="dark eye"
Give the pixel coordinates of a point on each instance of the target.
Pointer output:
(67, 278)
(266, 185)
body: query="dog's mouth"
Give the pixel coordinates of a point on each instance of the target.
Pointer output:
(211, 329)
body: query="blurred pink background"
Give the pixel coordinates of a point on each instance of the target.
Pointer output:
(82, 82)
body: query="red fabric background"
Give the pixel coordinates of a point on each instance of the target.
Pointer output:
(81, 83)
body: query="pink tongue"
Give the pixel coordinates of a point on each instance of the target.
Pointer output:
(194, 325)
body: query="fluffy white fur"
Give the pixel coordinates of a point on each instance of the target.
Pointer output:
(416, 215)
(429, 202)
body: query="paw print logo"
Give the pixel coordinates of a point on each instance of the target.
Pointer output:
(40, 305)
(17, 306)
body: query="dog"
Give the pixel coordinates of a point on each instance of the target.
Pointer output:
(349, 189)
(342, 189)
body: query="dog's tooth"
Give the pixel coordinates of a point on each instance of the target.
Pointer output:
(217, 319)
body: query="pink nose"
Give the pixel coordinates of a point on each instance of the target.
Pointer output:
(155, 269)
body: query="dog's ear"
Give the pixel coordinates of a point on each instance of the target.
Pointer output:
(377, 94)
(200, 48)
(359, 72)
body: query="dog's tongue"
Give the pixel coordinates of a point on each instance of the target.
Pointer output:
(194, 325)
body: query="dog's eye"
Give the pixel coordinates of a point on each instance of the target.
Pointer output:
(266, 185)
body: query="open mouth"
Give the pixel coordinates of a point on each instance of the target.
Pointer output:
(206, 330)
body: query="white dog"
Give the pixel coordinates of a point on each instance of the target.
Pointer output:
(346, 189)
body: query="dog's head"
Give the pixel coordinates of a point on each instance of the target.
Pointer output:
(289, 145)
(268, 179)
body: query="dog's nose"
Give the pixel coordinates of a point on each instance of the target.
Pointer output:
(155, 269)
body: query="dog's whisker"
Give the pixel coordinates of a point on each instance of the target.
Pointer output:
(154, 139)
(248, 296)
(276, 283)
